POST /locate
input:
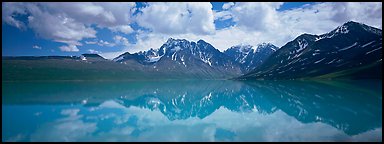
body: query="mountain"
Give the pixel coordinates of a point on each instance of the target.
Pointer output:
(249, 57)
(92, 57)
(175, 59)
(143, 57)
(351, 51)
(181, 57)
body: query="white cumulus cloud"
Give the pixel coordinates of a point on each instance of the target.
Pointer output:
(178, 18)
(255, 15)
(228, 5)
(122, 28)
(121, 40)
(254, 22)
(67, 22)
(69, 48)
(222, 15)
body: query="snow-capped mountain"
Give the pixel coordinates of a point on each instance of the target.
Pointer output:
(183, 57)
(185, 52)
(352, 50)
(200, 57)
(250, 57)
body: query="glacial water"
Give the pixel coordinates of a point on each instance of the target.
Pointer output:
(192, 111)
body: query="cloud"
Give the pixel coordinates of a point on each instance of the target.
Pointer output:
(99, 13)
(69, 23)
(105, 43)
(9, 11)
(228, 5)
(178, 18)
(127, 47)
(145, 41)
(69, 48)
(91, 42)
(367, 12)
(254, 22)
(142, 124)
(93, 51)
(261, 22)
(256, 16)
(123, 28)
(55, 26)
(222, 15)
(36, 47)
(121, 40)
(70, 112)
(101, 43)
(69, 128)
(323, 17)
(59, 28)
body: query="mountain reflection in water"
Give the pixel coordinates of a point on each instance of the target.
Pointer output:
(192, 111)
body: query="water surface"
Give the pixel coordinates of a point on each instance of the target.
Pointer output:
(192, 111)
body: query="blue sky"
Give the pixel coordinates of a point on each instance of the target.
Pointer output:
(114, 28)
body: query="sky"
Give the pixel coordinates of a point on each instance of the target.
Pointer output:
(110, 29)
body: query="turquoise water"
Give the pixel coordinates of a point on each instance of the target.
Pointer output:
(192, 111)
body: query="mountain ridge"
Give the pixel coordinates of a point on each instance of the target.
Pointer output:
(350, 48)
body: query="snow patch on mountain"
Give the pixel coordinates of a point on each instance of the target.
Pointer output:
(302, 45)
(343, 29)
(367, 44)
(176, 48)
(206, 60)
(348, 47)
(319, 60)
(154, 58)
(117, 59)
(373, 50)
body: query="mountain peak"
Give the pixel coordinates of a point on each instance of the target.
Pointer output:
(172, 41)
(344, 52)
(92, 55)
(201, 41)
(350, 27)
(306, 37)
(367, 28)
(267, 45)
(243, 48)
(353, 23)
(126, 53)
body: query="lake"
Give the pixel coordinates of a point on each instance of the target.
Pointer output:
(188, 110)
